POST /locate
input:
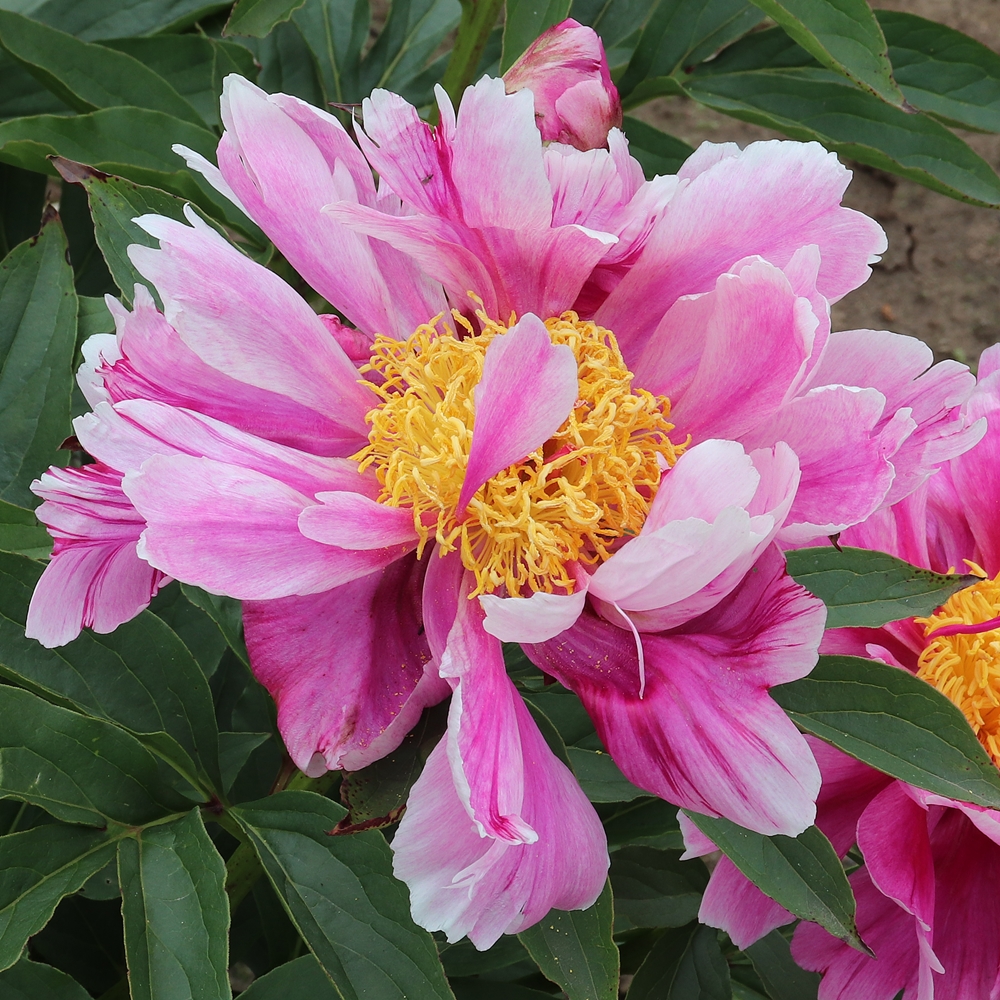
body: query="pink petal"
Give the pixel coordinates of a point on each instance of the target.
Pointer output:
(348, 667)
(95, 579)
(729, 362)
(770, 199)
(352, 521)
(706, 735)
(235, 531)
(150, 361)
(243, 320)
(465, 884)
(535, 618)
(526, 392)
(734, 904)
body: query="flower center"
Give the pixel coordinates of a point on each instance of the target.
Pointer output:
(590, 484)
(962, 657)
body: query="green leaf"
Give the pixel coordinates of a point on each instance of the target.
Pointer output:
(341, 895)
(85, 75)
(175, 912)
(649, 822)
(942, 71)
(29, 980)
(234, 751)
(94, 19)
(191, 625)
(37, 868)
(287, 64)
(78, 769)
(680, 33)
(20, 532)
(895, 722)
(658, 152)
(655, 888)
(812, 103)
(336, 32)
(782, 978)
(92, 316)
(303, 979)
(865, 589)
(141, 676)
(258, 17)
(618, 22)
(22, 94)
(575, 949)
(194, 65)
(464, 959)
(801, 873)
(37, 338)
(600, 777)
(483, 989)
(685, 964)
(843, 35)
(226, 612)
(525, 21)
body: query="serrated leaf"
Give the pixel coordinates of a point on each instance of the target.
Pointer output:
(78, 769)
(782, 978)
(175, 912)
(141, 676)
(525, 20)
(96, 19)
(681, 33)
(37, 868)
(865, 589)
(686, 964)
(21, 533)
(85, 75)
(303, 979)
(809, 103)
(341, 895)
(37, 339)
(895, 722)
(655, 888)
(575, 949)
(258, 17)
(29, 980)
(657, 152)
(843, 35)
(194, 65)
(943, 71)
(801, 873)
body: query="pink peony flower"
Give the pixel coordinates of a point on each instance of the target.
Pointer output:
(927, 892)
(575, 101)
(510, 466)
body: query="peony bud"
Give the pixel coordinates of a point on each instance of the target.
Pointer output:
(575, 101)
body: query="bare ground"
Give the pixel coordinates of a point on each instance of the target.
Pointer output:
(940, 279)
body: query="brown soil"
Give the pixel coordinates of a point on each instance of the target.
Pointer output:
(940, 278)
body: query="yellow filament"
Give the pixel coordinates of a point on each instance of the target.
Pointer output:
(590, 484)
(966, 667)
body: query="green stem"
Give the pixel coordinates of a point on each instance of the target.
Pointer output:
(478, 19)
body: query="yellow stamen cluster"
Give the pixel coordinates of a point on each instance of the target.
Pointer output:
(590, 484)
(966, 666)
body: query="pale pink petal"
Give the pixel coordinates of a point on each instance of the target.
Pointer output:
(535, 618)
(696, 843)
(729, 363)
(95, 579)
(770, 199)
(235, 531)
(348, 668)
(705, 734)
(353, 521)
(465, 884)
(527, 390)
(243, 320)
(734, 904)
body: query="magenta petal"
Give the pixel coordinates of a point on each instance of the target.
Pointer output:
(95, 578)
(706, 735)
(976, 476)
(352, 521)
(346, 667)
(235, 531)
(527, 389)
(734, 904)
(465, 884)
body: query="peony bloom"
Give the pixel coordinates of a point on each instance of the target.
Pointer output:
(926, 895)
(569, 408)
(566, 69)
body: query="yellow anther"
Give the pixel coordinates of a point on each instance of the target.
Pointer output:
(589, 485)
